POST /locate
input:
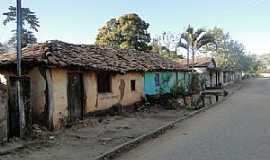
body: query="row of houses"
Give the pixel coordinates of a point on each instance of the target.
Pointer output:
(65, 82)
(213, 75)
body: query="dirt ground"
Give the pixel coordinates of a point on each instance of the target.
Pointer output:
(95, 136)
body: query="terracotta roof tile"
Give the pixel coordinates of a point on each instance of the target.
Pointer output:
(61, 54)
(198, 62)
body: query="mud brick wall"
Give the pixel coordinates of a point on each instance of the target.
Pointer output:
(3, 113)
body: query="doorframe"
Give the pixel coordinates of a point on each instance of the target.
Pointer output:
(81, 75)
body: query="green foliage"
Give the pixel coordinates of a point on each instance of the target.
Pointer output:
(193, 40)
(165, 52)
(27, 38)
(195, 83)
(29, 18)
(228, 52)
(128, 31)
(178, 89)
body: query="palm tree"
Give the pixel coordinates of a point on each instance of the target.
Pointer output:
(194, 40)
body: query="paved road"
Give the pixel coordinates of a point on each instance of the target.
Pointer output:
(238, 129)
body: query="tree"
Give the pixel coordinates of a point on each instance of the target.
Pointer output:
(165, 45)
(230, 53)
(29, 18)
(128, 31)
(194, 40)
(27, 38)
(3, 48)
(220, 50)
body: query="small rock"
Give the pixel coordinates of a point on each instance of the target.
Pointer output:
(123, 127)
(105, 139)
(51, 137)
(131, 137)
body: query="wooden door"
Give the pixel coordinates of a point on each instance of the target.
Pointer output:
(75, 96)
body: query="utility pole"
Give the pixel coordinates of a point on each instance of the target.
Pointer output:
(19, 70)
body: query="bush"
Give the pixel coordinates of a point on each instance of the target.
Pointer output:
(178, 90)
(195, 83)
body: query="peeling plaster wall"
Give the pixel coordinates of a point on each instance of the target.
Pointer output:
(90, 86)
(38, 89)
(130, 97)
(38, 93)
(120, 92)
(167, 80)
(59, 82)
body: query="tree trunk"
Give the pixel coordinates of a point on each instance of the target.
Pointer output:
(193, 59)
(188, 58)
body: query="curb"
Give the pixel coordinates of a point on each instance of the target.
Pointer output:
(125, 147)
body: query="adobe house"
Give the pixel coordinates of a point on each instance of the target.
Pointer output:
(231, 75)
(69, 81)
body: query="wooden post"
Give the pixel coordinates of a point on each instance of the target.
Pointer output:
(19, 70)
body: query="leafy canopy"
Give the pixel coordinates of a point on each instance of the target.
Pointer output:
(228, 52)
(195, 39)
(27, 38)
(28, 17)
(128, 31)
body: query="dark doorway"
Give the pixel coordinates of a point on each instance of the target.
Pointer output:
(75, 96)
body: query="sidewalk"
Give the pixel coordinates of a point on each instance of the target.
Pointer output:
(94, 137)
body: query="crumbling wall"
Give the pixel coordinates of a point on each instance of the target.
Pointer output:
(3, 113)
(121, 91)
(60, 83)
(38, 97)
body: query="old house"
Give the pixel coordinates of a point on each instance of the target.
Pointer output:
(69, 81)
(208, 70)
(231, 75)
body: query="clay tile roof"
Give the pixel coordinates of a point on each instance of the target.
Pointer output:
(61, 54)
(198, 62)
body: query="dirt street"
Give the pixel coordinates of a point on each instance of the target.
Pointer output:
(235, 130)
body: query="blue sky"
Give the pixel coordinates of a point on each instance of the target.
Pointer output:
(78, 21)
